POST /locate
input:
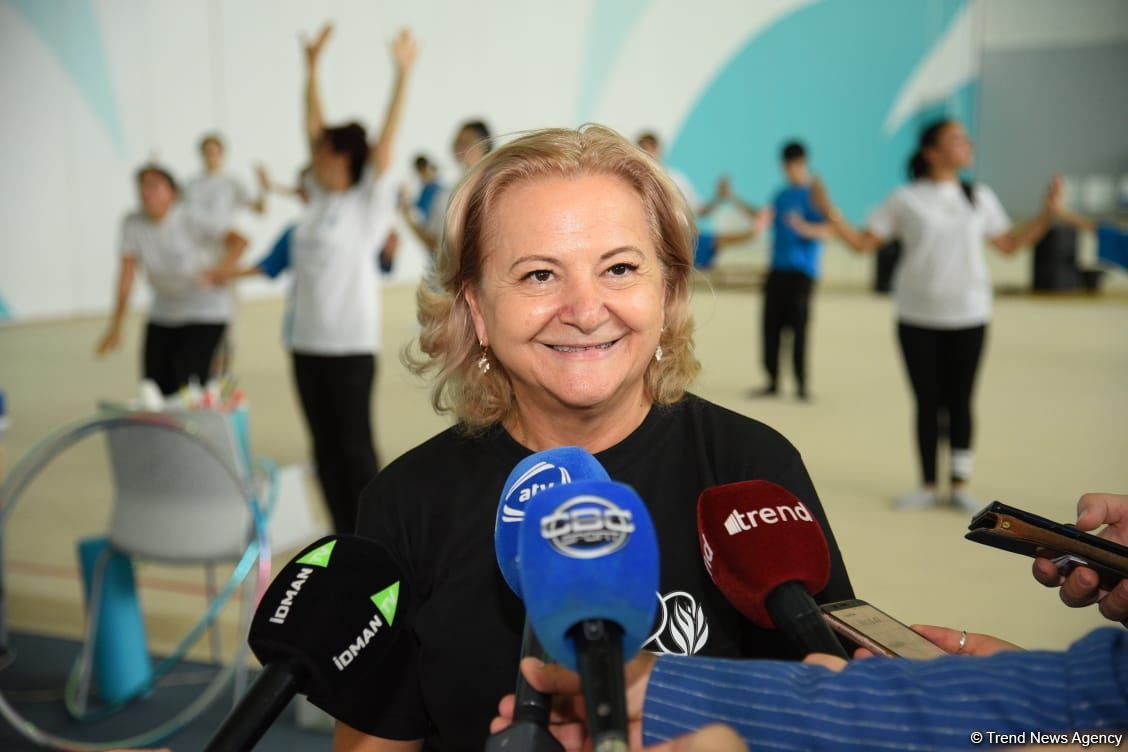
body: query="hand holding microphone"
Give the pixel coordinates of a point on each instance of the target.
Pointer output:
(767, 554)
(588, 560)
(328, 620)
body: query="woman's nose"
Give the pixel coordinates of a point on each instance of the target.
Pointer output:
(583, 305)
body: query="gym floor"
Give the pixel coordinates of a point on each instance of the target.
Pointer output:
(1051, 408)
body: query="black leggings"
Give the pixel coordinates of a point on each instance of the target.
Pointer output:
(942, 364)
(336, 396)
(173, 355)
(787, 304)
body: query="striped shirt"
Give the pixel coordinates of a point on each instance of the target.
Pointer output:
(894, 704)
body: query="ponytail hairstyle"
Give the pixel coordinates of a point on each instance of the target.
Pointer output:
(918, 167)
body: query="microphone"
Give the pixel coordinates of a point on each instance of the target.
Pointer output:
(325, 622)
(534, 474)
(588, 558)
(767, 554)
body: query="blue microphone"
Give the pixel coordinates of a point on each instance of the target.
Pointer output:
(532, 475)
(588, 559)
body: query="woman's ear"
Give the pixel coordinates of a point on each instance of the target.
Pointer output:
(473, 303)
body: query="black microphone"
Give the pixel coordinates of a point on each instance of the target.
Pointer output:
(327, 621)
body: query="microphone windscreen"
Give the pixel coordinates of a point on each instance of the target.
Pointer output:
(755, 536)
(333, 612)
(535, 473)
(588, 550)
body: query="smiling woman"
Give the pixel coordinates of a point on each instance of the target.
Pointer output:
(563, 209)
(557, 314)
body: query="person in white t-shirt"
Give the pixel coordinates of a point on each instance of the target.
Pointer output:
(174, 246)
(941, 289)
(220, 197)
(216, 193)
(332, 325)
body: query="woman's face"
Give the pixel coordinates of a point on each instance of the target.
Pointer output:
(156, 195)
(953, 149)
(330, 168)
(571, 296)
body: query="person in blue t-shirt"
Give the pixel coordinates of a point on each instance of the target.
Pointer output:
(429, 187)
(797, 233)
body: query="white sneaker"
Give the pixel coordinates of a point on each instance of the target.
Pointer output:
(918, 499)
(965, 501)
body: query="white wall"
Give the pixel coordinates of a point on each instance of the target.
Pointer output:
(94, 88)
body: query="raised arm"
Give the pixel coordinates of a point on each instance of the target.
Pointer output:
(421, 230)
(720, 195)
(1031, 232)
(809, 230)
(754, 213)
(404, 52)
(314, 120)
(267, 185)
(861, 241)
(1072, 218)
(112, 338)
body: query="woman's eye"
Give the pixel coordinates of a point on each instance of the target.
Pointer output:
(540, 275)
(621, 270)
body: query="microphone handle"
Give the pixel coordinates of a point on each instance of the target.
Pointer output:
(263, 703)
(599, 652)
(531, 706)
(795, 612)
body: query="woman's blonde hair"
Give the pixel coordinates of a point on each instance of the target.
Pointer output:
(448, 346)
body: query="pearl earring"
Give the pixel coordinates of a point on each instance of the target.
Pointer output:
(484, 361)
(658, 353)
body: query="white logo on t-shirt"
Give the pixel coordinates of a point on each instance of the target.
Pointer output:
(682, 627)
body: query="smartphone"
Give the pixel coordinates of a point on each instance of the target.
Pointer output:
(1021, 532)
(877, 631)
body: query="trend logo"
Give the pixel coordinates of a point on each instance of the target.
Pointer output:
(587, 527)
(387, 600)
(537, 478)
(319, 557)
(739, 522)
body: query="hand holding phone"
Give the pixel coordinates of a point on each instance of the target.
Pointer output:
(877, 631)
(1079, 585)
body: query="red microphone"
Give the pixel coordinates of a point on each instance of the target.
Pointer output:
(767, 554)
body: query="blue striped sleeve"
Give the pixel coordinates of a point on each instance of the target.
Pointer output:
(880, 703)
(278, 260)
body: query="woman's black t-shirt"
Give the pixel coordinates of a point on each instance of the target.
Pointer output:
(434, 510)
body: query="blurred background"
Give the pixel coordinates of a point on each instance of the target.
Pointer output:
(94, 89)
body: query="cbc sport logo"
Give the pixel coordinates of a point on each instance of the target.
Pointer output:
(587, 527)
(522, 490)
